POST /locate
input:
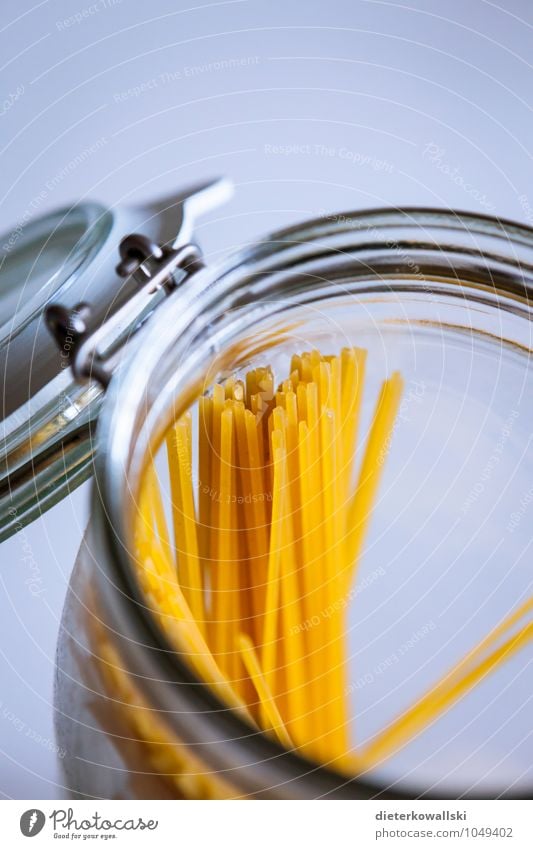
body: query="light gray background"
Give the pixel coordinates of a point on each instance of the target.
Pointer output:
(387, 103)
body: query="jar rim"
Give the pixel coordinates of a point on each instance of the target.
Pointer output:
(475, 236)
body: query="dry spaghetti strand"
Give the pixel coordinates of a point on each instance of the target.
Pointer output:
(185, 529)
(470, 670)
(268, 704)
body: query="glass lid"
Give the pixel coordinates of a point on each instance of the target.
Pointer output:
(77, 257)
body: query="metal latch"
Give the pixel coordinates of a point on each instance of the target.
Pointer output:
(93, 354)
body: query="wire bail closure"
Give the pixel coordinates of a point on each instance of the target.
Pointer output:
(93, 354)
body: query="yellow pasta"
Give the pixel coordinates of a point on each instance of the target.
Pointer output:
(185, 529)
(265, 549)
(272, 714)
(465, 675)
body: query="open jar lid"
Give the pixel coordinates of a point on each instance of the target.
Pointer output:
(81, 258)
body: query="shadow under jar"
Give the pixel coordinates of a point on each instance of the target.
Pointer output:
(442, 298)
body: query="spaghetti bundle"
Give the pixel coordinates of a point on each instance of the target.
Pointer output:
(271, 500)
(253, 581)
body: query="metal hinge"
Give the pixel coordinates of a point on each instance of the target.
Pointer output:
(92, 354)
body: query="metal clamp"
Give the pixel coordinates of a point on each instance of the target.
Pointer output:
(152, 266)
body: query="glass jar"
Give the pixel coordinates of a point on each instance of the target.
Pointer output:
(444, 298)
